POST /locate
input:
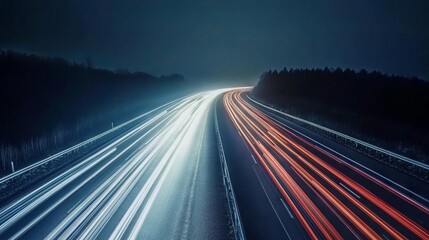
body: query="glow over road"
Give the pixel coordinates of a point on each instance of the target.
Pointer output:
(142, 185)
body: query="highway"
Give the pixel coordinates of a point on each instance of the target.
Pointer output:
(291, 183)
(163, 179)
(159, 180)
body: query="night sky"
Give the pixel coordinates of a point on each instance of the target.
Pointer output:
(223, 40)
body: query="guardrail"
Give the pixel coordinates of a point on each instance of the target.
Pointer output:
(402, 163)
(76, 147)
(236, 220)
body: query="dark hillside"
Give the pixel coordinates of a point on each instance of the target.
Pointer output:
(390, 111)
(41, 97)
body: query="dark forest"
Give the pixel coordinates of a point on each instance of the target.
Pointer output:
(48, 103)
(379, 108)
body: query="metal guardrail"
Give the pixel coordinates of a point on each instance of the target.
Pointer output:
(76, 147)
(236, 220)
(380, 154)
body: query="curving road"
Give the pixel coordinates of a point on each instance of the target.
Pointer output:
(162, 179)
(291, 183)
(159, 180)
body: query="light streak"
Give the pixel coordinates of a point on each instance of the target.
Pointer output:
(289, 160)
(143, 156)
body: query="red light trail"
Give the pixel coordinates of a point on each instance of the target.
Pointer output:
(301, 170)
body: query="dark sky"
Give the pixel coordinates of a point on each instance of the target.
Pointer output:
(223, 40)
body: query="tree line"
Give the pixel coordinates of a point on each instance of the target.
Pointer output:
(46, 102)
(382, 109)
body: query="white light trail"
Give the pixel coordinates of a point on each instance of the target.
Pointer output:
(144, 157)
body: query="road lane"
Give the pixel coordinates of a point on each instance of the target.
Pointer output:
(259, 219)
(329, 194)
(160, 179)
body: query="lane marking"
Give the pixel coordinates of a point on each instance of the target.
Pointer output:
(284, 204)
(254, 159)
(272, 206)
(348, 189)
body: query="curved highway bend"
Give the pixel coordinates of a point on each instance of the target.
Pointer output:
(162, 180)
(309, 187)
(155, 181)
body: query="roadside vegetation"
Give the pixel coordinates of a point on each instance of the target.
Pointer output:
(384, 110)
(49, 103)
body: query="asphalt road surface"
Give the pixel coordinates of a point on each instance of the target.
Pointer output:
(291, 183)
(160, 180)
